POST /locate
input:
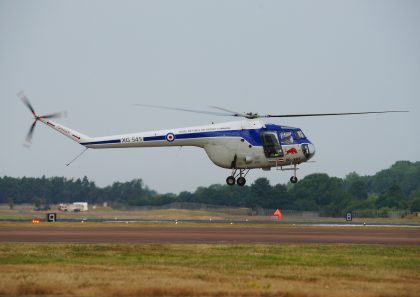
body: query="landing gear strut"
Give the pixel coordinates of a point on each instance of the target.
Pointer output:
(241, 181)
(294, 179)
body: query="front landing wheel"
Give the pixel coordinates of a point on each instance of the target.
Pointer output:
(230, 180)
(293, 179)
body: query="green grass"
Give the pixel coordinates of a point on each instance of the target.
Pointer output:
(208, 270)
(240, 256)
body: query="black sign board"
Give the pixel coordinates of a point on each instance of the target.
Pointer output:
(349, 216)
(51, 217)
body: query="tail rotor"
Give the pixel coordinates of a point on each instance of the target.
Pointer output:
(25, 100)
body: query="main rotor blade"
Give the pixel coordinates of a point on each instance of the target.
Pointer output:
(250, 115)
(327, 114)
(30, 132)
(27, 103)
(183, 109)
(231, 112)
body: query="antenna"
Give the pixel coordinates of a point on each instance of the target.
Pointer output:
(77, 156)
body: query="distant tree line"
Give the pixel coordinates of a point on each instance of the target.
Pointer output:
(396, 188)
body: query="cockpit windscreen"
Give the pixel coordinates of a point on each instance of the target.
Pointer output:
(286, 137)
(299, 134)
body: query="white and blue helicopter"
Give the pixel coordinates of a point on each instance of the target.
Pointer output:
(239, 146)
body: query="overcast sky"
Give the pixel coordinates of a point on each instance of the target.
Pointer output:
(96, 58)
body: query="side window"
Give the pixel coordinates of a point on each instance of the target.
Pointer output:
(272, 148)
(286, 137)
(269, 140)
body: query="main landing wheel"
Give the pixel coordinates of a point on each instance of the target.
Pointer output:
(241, 181)
(230, 180)
(293, 179)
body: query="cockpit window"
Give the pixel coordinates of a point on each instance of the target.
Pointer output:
(299, 134)
(286, 137)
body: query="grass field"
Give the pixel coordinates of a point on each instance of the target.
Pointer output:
(208, 270)
(28, 269)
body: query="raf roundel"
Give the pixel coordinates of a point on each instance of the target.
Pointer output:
(170, 137)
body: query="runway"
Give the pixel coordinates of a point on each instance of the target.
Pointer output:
(217, 235)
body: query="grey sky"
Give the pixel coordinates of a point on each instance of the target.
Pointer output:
(96, 58)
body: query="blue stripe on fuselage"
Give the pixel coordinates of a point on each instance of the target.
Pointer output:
(154, 138)
(250, 135)
(102, 142)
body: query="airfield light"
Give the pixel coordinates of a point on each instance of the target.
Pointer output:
(36, 221)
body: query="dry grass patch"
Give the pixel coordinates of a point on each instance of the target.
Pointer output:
(208, 270)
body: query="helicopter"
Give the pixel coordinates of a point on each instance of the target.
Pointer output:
(239, 146)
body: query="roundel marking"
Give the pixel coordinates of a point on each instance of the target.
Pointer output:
(170, 137)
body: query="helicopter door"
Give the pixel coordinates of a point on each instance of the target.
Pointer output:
(271, 145)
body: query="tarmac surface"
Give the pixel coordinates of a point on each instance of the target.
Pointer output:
(211, 234)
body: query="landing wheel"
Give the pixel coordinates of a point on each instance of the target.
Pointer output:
(293, 179)
(241, 181)
(231, 180)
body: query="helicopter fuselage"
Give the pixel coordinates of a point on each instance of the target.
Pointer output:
(245, 144)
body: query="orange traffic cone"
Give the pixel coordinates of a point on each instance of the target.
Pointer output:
(278, 214)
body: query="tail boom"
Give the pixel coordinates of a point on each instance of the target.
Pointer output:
(70, 133)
